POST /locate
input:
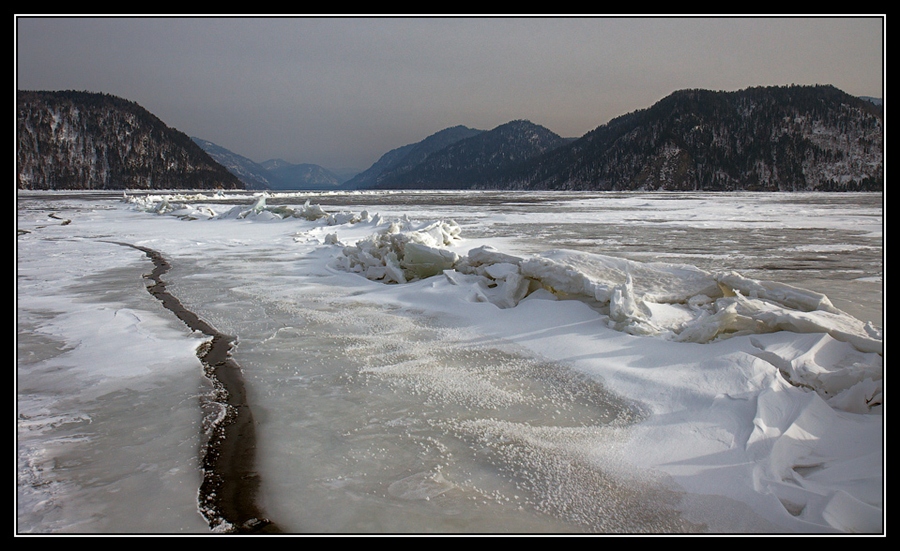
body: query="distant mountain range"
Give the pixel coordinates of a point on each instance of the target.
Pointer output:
(300, 176)
(876, 101)
(766, 138)
(253, 175)
(274, 174)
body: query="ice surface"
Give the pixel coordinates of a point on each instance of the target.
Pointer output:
(761, 402)
(108, 392)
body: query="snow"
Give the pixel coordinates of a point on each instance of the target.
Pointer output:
(759, 402)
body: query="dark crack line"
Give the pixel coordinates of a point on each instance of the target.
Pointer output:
(227, 496)
(65, 222)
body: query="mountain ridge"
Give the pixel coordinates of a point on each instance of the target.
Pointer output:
(400, 160)
(789, 138)
(776, 138)
(305, 176)
(476, 159)
(85, 140)
(254, 175)
(273, 174)
(759, 139)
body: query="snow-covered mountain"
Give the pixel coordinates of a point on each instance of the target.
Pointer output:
(84, 140)
(765, 138)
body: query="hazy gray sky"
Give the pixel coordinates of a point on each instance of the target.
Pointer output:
(340, 92)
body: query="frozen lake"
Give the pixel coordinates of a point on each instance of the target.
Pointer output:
(433, 406)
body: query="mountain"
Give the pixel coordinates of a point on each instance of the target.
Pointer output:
(84, 140)
(403, 159)
(476, 161)
(760, 139)
(767, 139)
(274, 174)
(275, 164)
(252, 174)
(876, 101)
(345, 173)
(300, 176)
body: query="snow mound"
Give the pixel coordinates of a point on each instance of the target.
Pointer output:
(802, 456)
(182, 205)
(403, 252)
(839, 356)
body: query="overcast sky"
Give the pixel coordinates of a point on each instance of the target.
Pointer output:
(340, 92)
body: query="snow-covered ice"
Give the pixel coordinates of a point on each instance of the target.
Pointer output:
(420, 364)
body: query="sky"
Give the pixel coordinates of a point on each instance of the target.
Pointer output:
(342, 91)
